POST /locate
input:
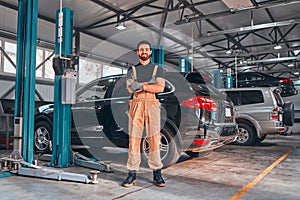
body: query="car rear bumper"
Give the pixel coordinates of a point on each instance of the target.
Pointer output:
(271, 127)
(198, 140)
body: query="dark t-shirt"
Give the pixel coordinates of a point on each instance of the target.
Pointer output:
(144, 72)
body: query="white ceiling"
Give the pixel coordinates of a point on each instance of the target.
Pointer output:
(155, 20)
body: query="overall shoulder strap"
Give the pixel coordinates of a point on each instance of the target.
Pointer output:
(134, 73)
(154, 70)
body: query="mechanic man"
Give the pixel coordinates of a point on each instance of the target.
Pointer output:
(143, 82)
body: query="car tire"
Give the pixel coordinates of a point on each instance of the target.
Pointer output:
(169, 150)
(246, 135)
(197, 154)
(42, 137)
(259, 140)
(288, 114)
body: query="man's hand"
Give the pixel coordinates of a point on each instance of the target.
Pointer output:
(134, 86)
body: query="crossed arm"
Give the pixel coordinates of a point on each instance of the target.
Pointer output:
(145, 86)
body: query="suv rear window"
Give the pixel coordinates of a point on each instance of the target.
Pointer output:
(234, 96)
(278, 98)
(252, 97)
(245, 97)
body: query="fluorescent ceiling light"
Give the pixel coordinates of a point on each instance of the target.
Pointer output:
(228, 51)
(296, 52)
(277, 47)
(120, 26)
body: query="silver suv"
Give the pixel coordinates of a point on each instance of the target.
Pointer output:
(258, 112)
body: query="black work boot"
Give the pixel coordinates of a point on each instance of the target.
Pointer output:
(130, 180)
(158, 179)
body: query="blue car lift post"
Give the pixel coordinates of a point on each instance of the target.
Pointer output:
(21, 159)
(64, 95)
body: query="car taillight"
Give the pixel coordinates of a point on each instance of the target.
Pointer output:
(205, 77)
(201, 142)
(285, 80)
(201, 102)
(274, 113)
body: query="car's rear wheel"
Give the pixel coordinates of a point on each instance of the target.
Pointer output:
(259, 140)
(169, 151)
(246, 134)
(42, 137)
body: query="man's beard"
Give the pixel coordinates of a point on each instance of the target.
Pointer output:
(144, 56)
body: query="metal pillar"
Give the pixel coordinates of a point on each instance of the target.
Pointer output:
(62, 112)
(25, 78)
(158, 55)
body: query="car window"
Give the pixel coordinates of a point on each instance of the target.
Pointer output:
(94, 91)
(241, 77)
(200, 78)
(251, 97)
(278, 98)
(120, 89)
(256, 77)
(168, 87)
(234, 96)
(177, 81)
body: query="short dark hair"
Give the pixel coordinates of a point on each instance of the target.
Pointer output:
(143, 42)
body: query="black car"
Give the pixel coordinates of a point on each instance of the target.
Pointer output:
(258, 79)
(195, 117)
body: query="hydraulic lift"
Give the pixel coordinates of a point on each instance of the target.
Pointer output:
(21, 159)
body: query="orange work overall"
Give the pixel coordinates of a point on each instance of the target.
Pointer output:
(144, 112)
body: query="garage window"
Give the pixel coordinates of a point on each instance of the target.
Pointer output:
(94, 92)
(10, 61)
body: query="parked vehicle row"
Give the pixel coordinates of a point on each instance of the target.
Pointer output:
(196, 117)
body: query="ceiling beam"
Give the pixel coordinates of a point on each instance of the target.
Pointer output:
(254, 27)
(279, 31)
(163, 20)
(99, 24)
(189, 19)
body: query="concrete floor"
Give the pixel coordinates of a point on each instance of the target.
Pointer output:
(219, 175)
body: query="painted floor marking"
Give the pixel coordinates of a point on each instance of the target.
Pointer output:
(245, 189)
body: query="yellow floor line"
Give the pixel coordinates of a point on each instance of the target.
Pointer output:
(245, 189)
